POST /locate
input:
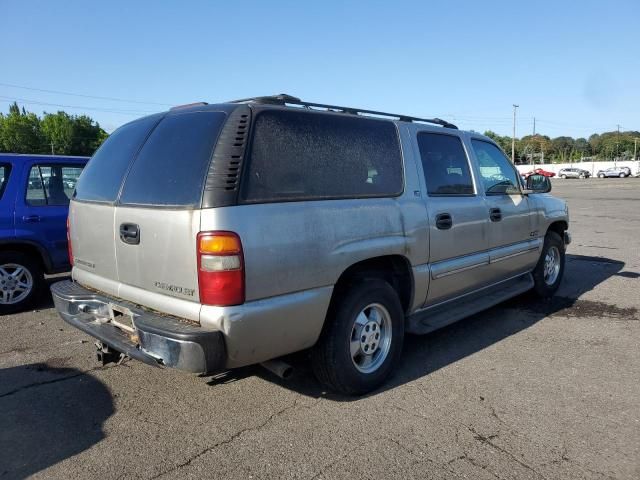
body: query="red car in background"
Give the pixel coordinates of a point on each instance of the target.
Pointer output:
(539, 171)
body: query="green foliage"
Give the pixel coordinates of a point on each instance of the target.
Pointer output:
(541, 148)
(64, 134)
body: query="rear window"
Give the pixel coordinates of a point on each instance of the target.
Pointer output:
(172, 166)
(303, 156)
(4, 177)
(102, 177)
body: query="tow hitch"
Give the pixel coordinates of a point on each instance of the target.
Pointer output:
(108, 355)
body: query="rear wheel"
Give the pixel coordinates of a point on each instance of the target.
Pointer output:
(601, 175)
(550, 268)
(362, 340)
(21, 281)
(622, 175)
(563, 176)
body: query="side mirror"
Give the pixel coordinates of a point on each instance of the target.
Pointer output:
(538, 184)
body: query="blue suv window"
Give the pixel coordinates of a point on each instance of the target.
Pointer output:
(52, 184)
(4, 177)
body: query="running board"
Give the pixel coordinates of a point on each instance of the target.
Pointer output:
(438, 316)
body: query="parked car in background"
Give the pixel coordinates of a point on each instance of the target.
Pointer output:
(573, 173)
(539, 171)
(614, 172)
(286, 228)
(34, 197)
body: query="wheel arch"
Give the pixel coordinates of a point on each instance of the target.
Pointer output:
(394, 269)
(559, 227)
(32, 249)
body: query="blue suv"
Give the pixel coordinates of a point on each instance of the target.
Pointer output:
(34, 200)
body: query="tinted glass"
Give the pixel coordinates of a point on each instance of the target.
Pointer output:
(172, 166)
(496, 171)
(4, 177)
(298, 155)
(103, 174)
(445, 165)
(51, 185)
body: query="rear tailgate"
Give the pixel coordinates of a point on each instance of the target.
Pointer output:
(138, 240)
(92, 210)
(160, 204)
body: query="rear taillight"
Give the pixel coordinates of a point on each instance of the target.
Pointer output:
(220, 268)
(69, 249)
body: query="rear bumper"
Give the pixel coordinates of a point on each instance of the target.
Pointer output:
(158, 340)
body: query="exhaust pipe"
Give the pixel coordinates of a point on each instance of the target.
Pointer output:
(279, 368)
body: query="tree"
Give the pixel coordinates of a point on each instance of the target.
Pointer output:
(20, 132)
(57, 129)
(24, 132)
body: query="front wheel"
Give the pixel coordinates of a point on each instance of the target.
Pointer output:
(601, 176)
(550, 268)
(622, 175)
(563, 176)
(21, 281)
(362, 339)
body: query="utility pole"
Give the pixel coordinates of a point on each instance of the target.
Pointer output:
(534, 126)
(513, 139)
(617, 143)
(635, 148)
(52, 153)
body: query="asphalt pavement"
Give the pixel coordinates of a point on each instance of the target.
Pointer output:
(528, 389)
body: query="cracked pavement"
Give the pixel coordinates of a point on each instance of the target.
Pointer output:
(525, 390)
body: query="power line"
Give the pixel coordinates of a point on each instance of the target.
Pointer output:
(79, 107)
(114, 99)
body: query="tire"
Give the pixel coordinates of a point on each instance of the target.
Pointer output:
(581, 176)
(563, 176)
(332, 359)
(622, 175)
(546, 283)
(601, 175)
(29, 272)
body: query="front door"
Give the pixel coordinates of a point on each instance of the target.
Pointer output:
(513, 244)
(458, 239)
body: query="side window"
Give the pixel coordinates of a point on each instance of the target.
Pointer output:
(445, 165)
(51, 185)
(304, 156)
(496, 171)
(4, 177)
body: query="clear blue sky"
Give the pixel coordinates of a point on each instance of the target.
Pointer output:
(575, 66)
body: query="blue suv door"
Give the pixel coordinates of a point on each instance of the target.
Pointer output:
(41, 212)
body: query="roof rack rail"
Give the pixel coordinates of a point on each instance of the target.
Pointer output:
(187, 105)
(284, 99)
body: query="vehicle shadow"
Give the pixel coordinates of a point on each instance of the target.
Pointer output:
(45, 300)
(423, 355)
(48, 414)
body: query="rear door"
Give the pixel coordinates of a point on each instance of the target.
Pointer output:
(513, 243)
(92, 212)
(158, 214)
(457, 218)
(41, 209)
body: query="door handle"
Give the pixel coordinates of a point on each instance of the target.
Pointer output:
(495, 214)
(130, 233)
(444, 221)
(31, 218)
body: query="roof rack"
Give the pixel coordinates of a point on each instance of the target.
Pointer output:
(284, 99)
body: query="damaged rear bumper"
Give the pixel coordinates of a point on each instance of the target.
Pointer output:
(152, 338)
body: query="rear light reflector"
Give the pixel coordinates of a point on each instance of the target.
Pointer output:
(220, 268)
(69, 248)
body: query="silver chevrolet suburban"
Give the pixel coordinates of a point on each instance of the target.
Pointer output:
(215, 236)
